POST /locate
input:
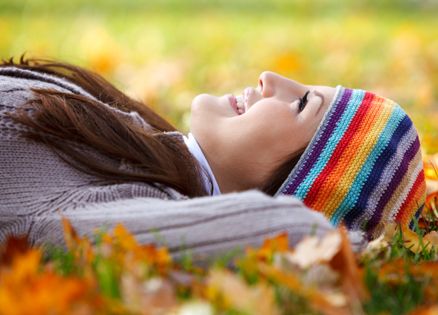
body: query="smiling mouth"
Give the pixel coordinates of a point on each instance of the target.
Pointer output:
(234, 104)
(237, 104)
(240, 104)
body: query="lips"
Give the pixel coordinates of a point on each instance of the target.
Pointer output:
(233, 103)
(241, 104)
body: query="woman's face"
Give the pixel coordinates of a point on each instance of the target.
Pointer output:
(244, 142)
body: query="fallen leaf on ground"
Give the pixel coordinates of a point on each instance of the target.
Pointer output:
(312, 250)
(235, 293)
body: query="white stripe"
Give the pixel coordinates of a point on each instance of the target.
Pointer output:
(386, 178)
(406, 191)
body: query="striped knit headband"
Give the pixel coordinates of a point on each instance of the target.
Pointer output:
(363, 166)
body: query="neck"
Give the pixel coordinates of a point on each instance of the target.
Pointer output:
(208, 175)
(231, 178)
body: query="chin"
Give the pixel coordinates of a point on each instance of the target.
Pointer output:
(203, 100)
(211, 106)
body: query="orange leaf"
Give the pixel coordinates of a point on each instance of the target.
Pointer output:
(431, 205)
(431, 310)
(431, 167)
(413, 242)
(289, 280)
(27, 264)
(14, 245)
(157, 256)
(278, 243)
(345, 263)
(126, 240)
(70, 235)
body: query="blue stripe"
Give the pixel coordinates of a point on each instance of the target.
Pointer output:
(318, 141)
(353, 193)
(378, 168)
(336, 136)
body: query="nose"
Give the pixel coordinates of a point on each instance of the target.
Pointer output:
(273, 84)
(266, 83)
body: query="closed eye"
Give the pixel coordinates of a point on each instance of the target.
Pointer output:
(303, 102)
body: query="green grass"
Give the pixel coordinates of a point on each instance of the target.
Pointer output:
(398, 290)
(393, 299)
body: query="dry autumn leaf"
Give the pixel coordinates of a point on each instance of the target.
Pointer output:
(28, 288)
(276, 244)
(417, 244)
(321, 276)
(431, 207)
(318, 300)
(14, 245)
(312, 250)
(432, 310)
(71, 237)
(381, 244)
(195, 308)
(148, 297)
(394, 272)
(431, 167)
(233, 292)
(345, 263)
(430, 164)
(432, 239)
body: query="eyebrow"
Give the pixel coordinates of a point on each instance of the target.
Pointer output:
(322, 103)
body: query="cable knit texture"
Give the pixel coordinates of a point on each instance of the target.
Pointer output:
(37, 186)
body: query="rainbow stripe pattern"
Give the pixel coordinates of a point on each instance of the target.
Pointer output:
(363, 167)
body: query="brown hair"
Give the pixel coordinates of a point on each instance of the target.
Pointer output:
(281, 173)
(62, 120)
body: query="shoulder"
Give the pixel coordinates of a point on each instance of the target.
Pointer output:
(16, 86)
(15, 79)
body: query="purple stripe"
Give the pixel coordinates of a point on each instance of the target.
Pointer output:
(395, 181)
(335, 114)
(377, 171)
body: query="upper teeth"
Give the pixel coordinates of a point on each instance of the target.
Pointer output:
(240, 103)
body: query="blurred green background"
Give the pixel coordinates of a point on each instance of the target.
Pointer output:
(166, 52)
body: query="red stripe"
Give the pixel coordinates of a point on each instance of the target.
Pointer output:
(364, 107)
(420, 180)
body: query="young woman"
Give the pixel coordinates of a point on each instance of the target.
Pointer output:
(71, 144)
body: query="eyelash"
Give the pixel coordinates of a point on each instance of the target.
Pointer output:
(303, 102)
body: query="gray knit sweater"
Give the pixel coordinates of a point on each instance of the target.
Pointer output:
(37, 186)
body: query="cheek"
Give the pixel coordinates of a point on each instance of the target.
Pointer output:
(274, 133)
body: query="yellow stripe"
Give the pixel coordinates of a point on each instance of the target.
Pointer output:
(349, 165)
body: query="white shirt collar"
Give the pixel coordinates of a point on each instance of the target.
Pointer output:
(210, 182)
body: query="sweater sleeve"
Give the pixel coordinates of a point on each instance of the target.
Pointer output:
(203, 226)
(37, 187)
